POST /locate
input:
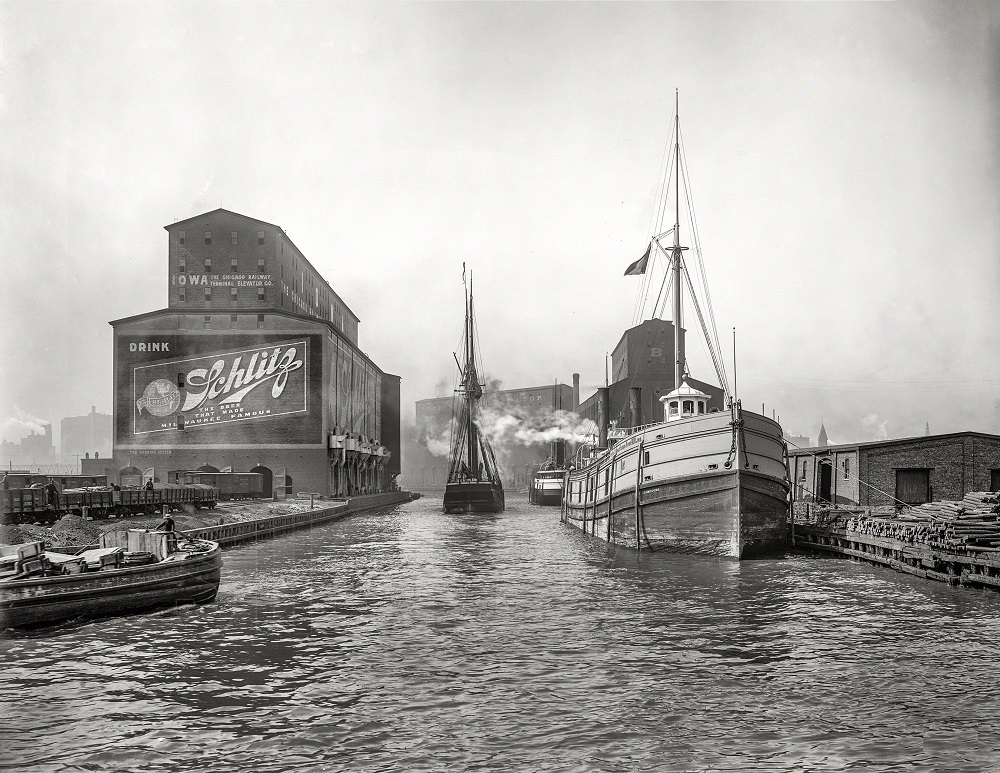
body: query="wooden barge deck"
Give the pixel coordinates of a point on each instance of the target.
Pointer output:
(952, 542)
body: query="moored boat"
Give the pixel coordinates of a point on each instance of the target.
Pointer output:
(129, 572)
(710, 477)
(473, 484)
(546, 487)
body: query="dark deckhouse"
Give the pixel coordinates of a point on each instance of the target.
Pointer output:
(253, 367)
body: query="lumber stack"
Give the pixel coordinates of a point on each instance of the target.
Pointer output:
(972, 523)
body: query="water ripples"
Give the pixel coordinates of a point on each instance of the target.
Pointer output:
(414, 640)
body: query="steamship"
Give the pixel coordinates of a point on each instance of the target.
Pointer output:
(710, 477)
(547, 484)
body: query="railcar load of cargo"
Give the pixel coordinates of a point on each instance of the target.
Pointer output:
(28, 479)
(231, 485)
(48, 504)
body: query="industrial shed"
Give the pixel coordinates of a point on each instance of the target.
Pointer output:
(888, 472)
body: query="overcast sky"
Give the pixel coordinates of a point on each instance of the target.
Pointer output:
(844, 159)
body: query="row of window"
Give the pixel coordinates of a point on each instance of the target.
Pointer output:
(233, 321)
(233, 265)
(688, 407)
(182, 294)
(234, 237)
(299, 283)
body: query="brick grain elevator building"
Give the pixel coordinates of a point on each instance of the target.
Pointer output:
(254, 366)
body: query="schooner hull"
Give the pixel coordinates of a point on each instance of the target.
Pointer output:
(706, 507)
(474, 497)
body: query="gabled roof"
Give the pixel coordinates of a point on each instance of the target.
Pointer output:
(172, 226)
(225, 211)
(685, 390)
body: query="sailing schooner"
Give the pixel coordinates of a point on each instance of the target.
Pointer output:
(474, 484)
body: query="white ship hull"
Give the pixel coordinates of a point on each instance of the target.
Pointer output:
(704, 486)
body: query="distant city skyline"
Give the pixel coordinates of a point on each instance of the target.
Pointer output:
(29, 439)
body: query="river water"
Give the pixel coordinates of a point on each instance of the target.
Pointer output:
(411, 640)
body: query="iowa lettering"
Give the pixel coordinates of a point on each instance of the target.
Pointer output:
(207, 384)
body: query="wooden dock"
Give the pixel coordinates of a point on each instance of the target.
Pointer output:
(953, 542)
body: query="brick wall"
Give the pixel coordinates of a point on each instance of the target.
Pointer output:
(958, 465)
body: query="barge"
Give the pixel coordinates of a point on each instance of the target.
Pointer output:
(957, 542)
(131, 571)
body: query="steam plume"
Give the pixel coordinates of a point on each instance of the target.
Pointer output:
(20, 425)
(513, 425)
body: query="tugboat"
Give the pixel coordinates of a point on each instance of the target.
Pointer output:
(474, 484)
(710, 479)
(547, 484)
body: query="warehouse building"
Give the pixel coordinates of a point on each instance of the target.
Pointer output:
(889, 472)
(523, 426)
(642, 371)
(254, 366)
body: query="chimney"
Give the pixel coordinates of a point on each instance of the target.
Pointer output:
(602, 417)
(635, 405)
(576, 391)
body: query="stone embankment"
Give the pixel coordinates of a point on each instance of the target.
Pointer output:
(227, 524)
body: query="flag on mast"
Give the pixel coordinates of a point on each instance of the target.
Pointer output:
(639, 267)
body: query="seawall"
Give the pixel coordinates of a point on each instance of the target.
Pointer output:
(245, 531)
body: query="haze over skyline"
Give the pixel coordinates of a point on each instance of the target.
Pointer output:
(844, 159)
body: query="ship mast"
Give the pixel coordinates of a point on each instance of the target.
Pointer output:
(676, 256)
(472, 388)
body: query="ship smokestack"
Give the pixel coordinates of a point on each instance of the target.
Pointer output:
(576, 391)
(635, 405)
(602, 417)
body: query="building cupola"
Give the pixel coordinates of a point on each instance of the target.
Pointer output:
(684, 402)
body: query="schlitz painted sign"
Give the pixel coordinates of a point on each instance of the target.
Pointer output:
(241, 385)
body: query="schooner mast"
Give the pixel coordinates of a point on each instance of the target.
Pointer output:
(473, 475)
(471, 388)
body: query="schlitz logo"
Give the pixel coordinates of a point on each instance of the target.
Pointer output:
(208, 383)
(259, 382)
(160, 398)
